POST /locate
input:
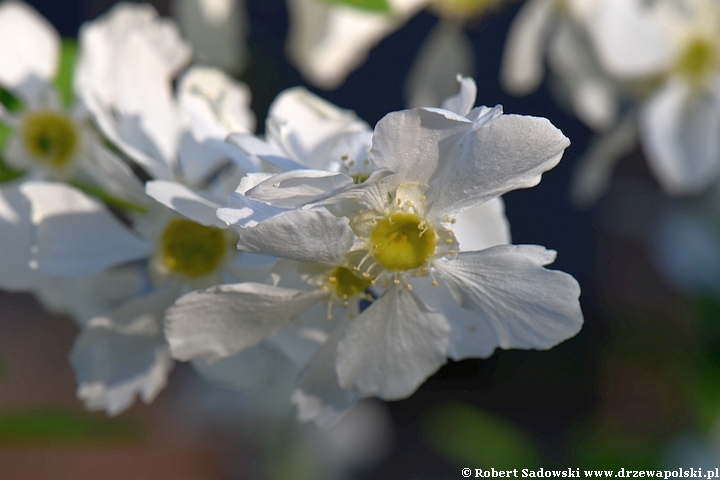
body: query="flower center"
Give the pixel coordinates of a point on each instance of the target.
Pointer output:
(51, 138)
(402, 241)
(190, 249)
(346, 284)
(698, 60)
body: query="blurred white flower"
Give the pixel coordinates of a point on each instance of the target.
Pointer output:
(127, 63)
(47, 141)
(554, 31)
(392, 239)
(329, 39)
(671, 50)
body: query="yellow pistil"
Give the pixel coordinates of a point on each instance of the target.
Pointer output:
(345, 284)
(359, 178)
(50, 137)
(402, 241)
(698, 60)
(190, 249)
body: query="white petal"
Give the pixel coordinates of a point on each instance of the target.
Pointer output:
(76, 235)
(680, 130)
(123, 354)
(469, 336)
(327, 42)
(216, 103)
(462, 102)
(29, 45)
(243, 211)
(630, 40)
(248, 371)
(507, 153)
(482, 226)
(304, 122)
(393, 346)
(522, 67)
(126, 63)
(592, 95)
(526, 305)
(190, 203)
(216, 29)
(318, 396)
(15, 241)
(298, 187)
(252, 146)
(144, 98)
(102, 38)
(302, 235)
(409, 141)
(445, 54)
(112, 174)
(127, 136)
(88, 297)
(224, 320)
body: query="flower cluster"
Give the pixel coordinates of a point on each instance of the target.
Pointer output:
(352, 261)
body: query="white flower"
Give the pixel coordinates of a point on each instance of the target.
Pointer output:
(47, 140)
(673, 47)
(396, 239)
(556, 31)
(128, 61)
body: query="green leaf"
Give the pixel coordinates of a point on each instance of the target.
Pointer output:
(7, 173)
(369, 5)
(10, 101)
(108, 198)
(469, 436)
(64, 79)
(56, 427)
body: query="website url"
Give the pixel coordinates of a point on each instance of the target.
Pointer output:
(577, 473)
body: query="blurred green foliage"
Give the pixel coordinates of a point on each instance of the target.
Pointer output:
(62, 428)
(371, 5)
(64, 79)
(6, 173)
(469, 436)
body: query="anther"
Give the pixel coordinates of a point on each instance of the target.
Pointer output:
(448, 240)
(366, 275)
(409, 287)
(424, 271)
(396, 281)
(423, 198)
(435, 283)
(345, 157)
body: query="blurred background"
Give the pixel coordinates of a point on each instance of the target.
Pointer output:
(638, 387)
